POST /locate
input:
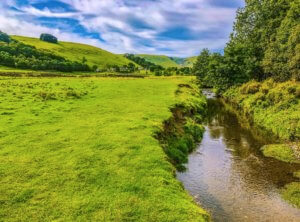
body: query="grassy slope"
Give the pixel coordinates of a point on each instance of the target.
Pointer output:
(83, 149)
(166, 61)
(162, 60)
(189, 62)
(76, 51)
(281, 152)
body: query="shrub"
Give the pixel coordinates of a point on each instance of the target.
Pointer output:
(48, 38)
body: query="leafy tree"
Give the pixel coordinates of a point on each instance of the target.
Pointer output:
(282, 57)
(201, 66)
(4, 37)
(265, 43)
(48, 38)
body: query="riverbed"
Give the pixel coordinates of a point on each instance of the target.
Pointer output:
(229, 177)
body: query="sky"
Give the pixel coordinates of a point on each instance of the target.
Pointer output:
(179, 28)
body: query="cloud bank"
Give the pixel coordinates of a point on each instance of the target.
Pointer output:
(171, 27)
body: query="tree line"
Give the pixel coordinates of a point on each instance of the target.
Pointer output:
(144, 63)
(265, 43)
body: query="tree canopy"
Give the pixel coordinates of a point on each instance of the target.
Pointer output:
(265, 43)
(48, 38)
(4, 37)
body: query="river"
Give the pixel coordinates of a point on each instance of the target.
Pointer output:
(228, 176)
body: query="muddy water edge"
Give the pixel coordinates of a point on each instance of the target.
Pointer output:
(228, 175)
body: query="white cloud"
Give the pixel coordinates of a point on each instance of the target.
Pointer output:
(133, 27)
(47, 13)
(14, 26)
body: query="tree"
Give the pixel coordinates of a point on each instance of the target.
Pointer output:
(200, 68)
(48, 38)
(4, 37)
(282, 57)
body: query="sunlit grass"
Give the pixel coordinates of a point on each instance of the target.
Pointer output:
(83, 149)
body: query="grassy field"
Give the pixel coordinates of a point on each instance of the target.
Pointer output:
(82, 149)
(76, 51)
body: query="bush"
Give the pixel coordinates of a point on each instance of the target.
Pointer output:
(4, 37)
(48, 38)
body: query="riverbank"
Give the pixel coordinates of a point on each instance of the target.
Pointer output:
(183, 130)
(275, 109)
(228, 175)
(83, 149)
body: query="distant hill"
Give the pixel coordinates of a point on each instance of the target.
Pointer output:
(167, 62)
(76, 51)
(162, 60)
(190, 61)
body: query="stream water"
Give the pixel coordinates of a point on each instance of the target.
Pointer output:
(228, 176)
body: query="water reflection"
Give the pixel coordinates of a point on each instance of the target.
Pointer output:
(229, 176)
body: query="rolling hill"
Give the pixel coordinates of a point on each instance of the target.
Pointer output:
(190, 61)
(76, 51)
(167, 62)
(162, 60)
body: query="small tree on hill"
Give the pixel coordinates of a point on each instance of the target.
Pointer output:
(48, 38)
(4, 37)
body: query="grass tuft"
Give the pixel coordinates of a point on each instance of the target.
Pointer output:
(281, 152)
(291, 193)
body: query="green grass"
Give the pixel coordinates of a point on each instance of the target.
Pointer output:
(189, 62)
(291, 193)
(297, 174)
(281, 152)
(76, 51)
(83, 149)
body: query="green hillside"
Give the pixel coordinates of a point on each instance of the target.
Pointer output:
(76, 51)
(162, 60)
(166, 61)
(189, 62)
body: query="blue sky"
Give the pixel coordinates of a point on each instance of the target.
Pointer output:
(171, 27)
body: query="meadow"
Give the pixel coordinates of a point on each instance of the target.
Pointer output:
(83, 149)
